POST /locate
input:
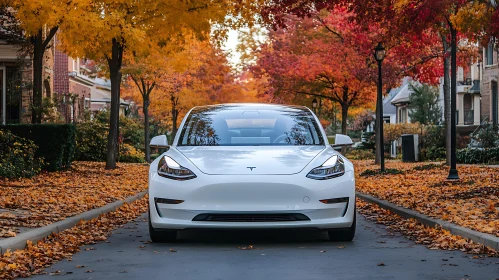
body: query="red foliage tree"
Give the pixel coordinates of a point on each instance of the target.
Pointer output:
(328, 55)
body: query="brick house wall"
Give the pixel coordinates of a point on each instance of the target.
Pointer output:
(61, 77)
(82, 92)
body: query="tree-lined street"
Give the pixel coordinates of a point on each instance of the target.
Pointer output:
(85, 85)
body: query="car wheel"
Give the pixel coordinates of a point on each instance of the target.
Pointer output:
(344, 234)
(161, 236)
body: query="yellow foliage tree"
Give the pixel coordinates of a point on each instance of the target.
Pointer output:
(111, 28)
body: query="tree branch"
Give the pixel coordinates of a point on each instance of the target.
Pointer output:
(330, 29)
(51, 35)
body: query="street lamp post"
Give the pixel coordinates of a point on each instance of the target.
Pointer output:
(453, 174)
(314, 105)
(379, 55)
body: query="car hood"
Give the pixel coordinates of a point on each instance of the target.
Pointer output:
(251, 160)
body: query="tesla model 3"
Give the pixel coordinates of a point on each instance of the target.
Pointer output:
(251, 166)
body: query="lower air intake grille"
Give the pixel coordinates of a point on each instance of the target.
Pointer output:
(251, 217)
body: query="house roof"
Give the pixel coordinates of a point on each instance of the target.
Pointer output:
(388, 107)
(403, 95)
(103, 96)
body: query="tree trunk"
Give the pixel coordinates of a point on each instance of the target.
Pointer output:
(39, 46)
(447, 105)
(174, 126)
(115, 63)
(38, 51)
(344, 117)
(145, 110)
(175, 112)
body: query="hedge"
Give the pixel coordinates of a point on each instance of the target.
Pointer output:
(477, 155)
(56, 142)
(17, 156)
(91, 141)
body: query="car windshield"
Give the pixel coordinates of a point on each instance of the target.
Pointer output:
(226, 125)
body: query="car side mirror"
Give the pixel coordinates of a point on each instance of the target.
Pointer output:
(341, 140)
(159, 142)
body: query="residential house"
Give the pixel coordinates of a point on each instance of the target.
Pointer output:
(73, 83)
(468, 106)
(16, 78)
(389, 110)
(489, 72)
(101, 97)
(72, 86)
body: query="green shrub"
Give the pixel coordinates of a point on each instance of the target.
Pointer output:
(56, 142)
(354, 134)
(476, 156)
(128, 153)
(487, 136)
(131, 130)
(17, 156)
(432, 153)
(433, 143)
(91, 141)
(359, 154)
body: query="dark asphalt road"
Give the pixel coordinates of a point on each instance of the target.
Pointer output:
(275, 255)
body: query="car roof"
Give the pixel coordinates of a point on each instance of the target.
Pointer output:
(250, 106)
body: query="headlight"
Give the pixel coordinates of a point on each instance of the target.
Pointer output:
(332, 168)
(170, 169)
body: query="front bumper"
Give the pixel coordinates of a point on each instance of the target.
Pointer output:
(252, 194)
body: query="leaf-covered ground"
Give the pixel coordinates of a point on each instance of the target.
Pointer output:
(472, 202)
(36, 257)
(433, 238)
(51, 197)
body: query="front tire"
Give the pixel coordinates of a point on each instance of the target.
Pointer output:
(161, 236)
(344, 235)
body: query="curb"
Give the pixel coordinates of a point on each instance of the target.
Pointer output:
(485, 239)
(19, 242)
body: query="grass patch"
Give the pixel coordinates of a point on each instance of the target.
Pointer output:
(389, 171)
(427, 167)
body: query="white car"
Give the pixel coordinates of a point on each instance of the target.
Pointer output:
(251, 166)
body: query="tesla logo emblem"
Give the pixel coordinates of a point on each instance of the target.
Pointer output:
(251, 167)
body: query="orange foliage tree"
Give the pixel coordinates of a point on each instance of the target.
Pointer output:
(196, 74)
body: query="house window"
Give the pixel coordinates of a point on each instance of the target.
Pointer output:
(489, 53)
(402, 115)
(76, 64)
